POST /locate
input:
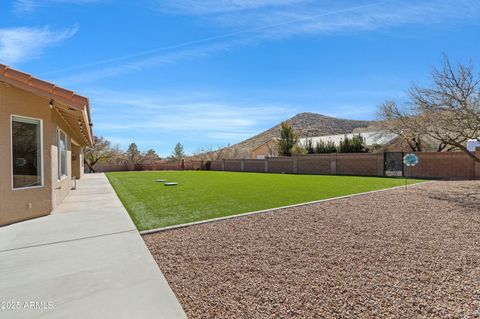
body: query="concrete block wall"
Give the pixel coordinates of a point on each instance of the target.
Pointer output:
(233, 165)
(448, 165)
(254, 165)
(216, 166)
(314, 164)
(280, 165)
(365, 164)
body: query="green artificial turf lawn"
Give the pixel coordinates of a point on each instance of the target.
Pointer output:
(202, 195)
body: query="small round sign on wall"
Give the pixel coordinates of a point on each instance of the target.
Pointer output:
(409, 160)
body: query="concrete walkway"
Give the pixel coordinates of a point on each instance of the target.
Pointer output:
(86, 260)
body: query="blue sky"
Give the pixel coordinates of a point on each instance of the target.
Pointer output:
(212, 72)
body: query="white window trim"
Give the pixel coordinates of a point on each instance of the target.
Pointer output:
(61, 177)
(42, 171)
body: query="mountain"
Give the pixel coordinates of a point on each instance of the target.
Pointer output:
(306, 125)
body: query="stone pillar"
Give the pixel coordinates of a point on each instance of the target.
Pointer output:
(333, 163)
(295, 164)
(266, 164)
(242, 165)
(223, 164)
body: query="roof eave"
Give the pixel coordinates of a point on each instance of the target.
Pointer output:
(50, 91)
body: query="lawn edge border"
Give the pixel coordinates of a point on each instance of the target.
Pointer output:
(217, 219)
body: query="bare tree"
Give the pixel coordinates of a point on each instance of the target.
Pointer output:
(100, 152)
(222, 152)
(395, 121)
(447, 112)
(230, 152)
(244, 152)
(210, 154)
(118, 156)
(272, 148)
(218, 154)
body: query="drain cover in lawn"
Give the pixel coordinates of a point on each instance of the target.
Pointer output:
(171, 184)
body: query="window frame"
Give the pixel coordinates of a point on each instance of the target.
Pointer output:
(42, 158)
(61, 177)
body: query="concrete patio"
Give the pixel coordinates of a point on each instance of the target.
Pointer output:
(86, 260)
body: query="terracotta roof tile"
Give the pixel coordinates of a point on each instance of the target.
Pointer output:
(13, 77)
(80, 99)
(64, 96)
(17, 75)
(63, 92)
(41, 85)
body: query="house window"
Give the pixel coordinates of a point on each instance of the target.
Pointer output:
(62, 154)
(27, 159)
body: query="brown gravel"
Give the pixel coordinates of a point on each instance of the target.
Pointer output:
(393, 254)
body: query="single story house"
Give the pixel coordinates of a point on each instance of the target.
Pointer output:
(43, 132)
(267, 149)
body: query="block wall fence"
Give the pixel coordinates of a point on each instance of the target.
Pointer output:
(446, 165)
(173, 165)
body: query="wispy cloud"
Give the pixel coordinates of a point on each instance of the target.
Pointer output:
(251, 22)
(144, 114)
(333, 17)
(285, 18)
(220, 6)
(149, 62)
(24, 43)
(28, 6)
(202, 47)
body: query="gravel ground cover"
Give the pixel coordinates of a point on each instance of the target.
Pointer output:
(395, 254)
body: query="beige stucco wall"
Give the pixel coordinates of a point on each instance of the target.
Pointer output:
(77, 160)
(61, 187)
(22, 204)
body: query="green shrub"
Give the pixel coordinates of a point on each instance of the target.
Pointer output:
(207, 165)
(309, 146)
(325, 147)
(352, 145)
